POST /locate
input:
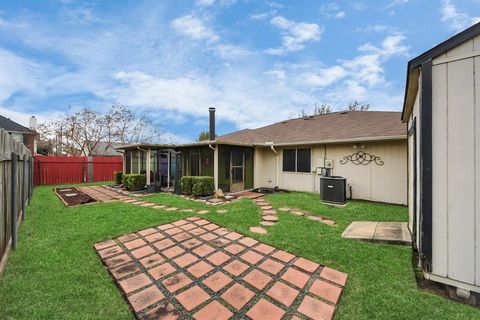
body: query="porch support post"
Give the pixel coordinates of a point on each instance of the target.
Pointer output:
(215, 166)
(168, 169)
(148, 166)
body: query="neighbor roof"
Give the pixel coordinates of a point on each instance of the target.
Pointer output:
(415, 64)
(10, 125)
(331, 127)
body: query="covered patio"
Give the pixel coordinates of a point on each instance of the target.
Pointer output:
(157, 162)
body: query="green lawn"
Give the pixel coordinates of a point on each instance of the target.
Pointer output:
(55, 273)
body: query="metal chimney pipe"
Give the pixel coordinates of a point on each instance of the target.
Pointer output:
(212, 123)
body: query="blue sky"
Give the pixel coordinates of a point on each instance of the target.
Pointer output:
(256, 61)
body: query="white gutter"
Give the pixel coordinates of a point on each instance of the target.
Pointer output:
(215, 164)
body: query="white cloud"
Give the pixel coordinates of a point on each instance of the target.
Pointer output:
(395, 3)
(378, 28)
(256, 16)
(455, 20)
(294, 34)
(204, 2)
(323, 77)
(194, 27)
(332, 11)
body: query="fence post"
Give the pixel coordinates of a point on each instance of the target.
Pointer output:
(90, 169)
(24, 187)
(31, 181)
(14, 200)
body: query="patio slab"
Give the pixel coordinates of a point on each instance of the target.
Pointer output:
(163, 276)
(374, 231)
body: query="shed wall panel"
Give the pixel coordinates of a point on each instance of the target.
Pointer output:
(461, 219)
(439, 170)
(477, 163)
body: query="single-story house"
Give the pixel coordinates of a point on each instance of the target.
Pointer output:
(28, 136)
(442, 109)
(369, 148)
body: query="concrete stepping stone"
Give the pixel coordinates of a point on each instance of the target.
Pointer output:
(222, 211)
(284, 209)
(314, 218)
(187, 210)
(171, 209)
(147, 205)
(159, 207)
(258, 230)
(329, 222)
(267, 223)
(203, 212)
(270, 218)
(269, 212)
(298, 213)
(266, 207)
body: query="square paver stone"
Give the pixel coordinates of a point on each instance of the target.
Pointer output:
(192, 297)
(283, 293)
(264, 310)
(316, 309)
(133, 283)
(238, 296)
(213, 311)
(145, 298)
(217, 281)
(176, 282)
(257, 279)
(194, 269)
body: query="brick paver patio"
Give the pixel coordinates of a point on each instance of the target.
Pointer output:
(173, 272)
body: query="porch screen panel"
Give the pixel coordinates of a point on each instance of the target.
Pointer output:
(135, 161)
(194, 164)
(128, 161)
(303, 160)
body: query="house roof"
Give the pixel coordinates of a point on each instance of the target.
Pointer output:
(327, 128)
(107, 149)
(10, 125)
(411, 86)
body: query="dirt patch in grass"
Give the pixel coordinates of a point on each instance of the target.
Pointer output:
(73, 197)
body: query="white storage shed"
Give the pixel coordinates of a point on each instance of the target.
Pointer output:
(442, 109)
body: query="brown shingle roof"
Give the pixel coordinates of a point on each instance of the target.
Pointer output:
(337, 126)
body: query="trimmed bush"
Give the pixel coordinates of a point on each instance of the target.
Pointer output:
(187, 184)
(118, 177)
(203, 186)
(134, 182)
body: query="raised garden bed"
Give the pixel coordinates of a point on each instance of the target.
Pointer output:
(73, 197)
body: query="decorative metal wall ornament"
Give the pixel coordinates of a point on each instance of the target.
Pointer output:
(362, 158)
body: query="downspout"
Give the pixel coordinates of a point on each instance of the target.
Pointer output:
(215, 164)
(277, 170)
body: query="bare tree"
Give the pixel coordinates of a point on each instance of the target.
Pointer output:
(204, 136)
(356, 106)
(80, 133)
(325, 108)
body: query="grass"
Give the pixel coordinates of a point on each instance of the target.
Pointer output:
(55, 273)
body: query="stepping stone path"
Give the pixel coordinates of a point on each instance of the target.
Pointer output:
(105, 194)
(270, 217)
(195, 269)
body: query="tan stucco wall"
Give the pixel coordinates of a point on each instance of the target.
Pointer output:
(387, 183)
(264, 166)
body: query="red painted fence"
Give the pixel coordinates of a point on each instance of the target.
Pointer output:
(59, 170)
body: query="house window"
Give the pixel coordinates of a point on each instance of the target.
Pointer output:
(194, 164)
(296, 160)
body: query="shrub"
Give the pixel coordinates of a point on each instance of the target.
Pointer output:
(134, 182)
(118, 177)
(187, 184)
(203, 186)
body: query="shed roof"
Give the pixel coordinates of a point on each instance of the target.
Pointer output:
(10, 125)
(411, 86)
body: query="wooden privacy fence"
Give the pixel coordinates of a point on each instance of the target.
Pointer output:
(16, 186)
(59, 170)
